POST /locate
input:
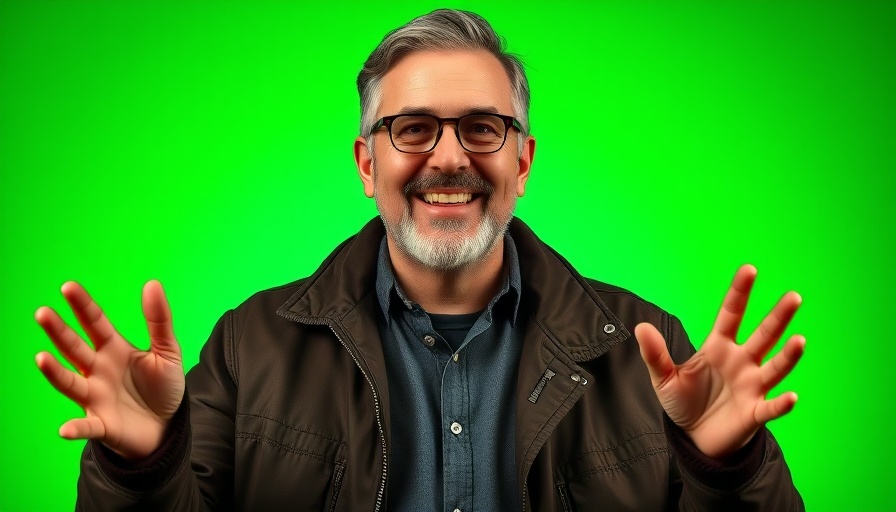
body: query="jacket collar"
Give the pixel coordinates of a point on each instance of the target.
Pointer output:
(556, 297)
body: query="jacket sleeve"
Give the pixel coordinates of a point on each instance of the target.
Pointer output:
(754, 478)
(188, 472)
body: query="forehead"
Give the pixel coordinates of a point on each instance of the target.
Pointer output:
(449, 83)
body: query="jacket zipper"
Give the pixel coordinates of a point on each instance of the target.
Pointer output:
(379, 422)
(376, 399)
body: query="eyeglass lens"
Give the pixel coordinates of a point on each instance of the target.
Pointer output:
(479, 133)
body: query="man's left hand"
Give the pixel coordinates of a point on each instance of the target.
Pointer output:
(718, 396)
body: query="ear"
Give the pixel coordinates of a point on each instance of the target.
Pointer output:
(525, 163)
(364, 161)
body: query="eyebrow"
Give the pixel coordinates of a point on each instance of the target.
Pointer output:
(433, 112)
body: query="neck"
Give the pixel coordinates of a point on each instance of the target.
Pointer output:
(458, 291)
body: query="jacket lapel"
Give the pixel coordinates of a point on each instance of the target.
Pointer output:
(567, 323)
(341, 294)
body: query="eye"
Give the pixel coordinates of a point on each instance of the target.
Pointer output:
(416, 129)
(481, 129)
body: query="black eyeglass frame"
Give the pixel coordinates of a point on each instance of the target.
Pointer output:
(509, 122)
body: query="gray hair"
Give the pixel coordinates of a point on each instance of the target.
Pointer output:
(443, 29)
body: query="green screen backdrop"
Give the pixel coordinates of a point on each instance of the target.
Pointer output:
(209, 145)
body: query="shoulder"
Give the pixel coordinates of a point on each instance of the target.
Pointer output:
(620, 299)
(262, 306)
(275, 295)
(631, 309)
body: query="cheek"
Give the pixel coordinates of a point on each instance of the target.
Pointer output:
(505, 177)
(393, 171)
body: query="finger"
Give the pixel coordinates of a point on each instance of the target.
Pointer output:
(735, 303)
(775, 369)
(768, 410)
(67, 382)
(158, 320)
(90, 427)
(73, 348)
(655, 354)
(90, 316)
(772, 326)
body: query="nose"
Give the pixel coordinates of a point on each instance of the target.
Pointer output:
(448, 155)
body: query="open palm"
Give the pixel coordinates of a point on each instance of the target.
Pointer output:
(718, 396)
(128, 395)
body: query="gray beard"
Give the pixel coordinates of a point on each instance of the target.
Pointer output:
(450, 250)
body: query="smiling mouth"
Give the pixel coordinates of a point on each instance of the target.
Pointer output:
(434, 198)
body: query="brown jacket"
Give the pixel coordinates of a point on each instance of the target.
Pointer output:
(288, 407)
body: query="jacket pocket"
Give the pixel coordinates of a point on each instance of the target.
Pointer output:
(563, 491)
(630, 474)
(281, 466)
(337, 484)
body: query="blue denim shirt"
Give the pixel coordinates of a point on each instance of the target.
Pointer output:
(452, 412)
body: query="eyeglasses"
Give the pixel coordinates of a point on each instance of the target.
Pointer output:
(419, 133)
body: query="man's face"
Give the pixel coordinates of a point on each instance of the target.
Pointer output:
(446, 208)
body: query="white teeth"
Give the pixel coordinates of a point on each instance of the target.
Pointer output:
(430, 197)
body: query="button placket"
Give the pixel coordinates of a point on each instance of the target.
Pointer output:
(457, 447)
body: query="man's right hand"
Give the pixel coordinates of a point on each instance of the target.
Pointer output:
(128, 395)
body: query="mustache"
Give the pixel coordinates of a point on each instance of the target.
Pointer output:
(467, 180)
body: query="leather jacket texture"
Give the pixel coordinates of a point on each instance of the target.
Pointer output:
(288, 407)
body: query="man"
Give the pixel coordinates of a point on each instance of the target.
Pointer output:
(443, 358)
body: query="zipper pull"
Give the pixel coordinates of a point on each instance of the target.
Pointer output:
(546, 376)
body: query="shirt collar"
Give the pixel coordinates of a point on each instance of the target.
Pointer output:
(388, 290)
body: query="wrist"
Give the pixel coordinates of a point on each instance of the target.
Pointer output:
(726, 472)
(150, 472)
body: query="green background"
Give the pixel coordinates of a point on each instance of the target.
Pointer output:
(208, 145)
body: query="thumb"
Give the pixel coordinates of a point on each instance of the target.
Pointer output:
(655, 354)
(158, 320)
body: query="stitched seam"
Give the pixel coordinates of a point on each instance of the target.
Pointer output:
(611, 448)
(617, 466)
(296, 429)
(276, 444)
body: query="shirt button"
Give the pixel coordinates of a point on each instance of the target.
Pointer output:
(456, 429)
(429, 340)
(457, 510)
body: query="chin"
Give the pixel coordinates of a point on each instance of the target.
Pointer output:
(452, 247)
